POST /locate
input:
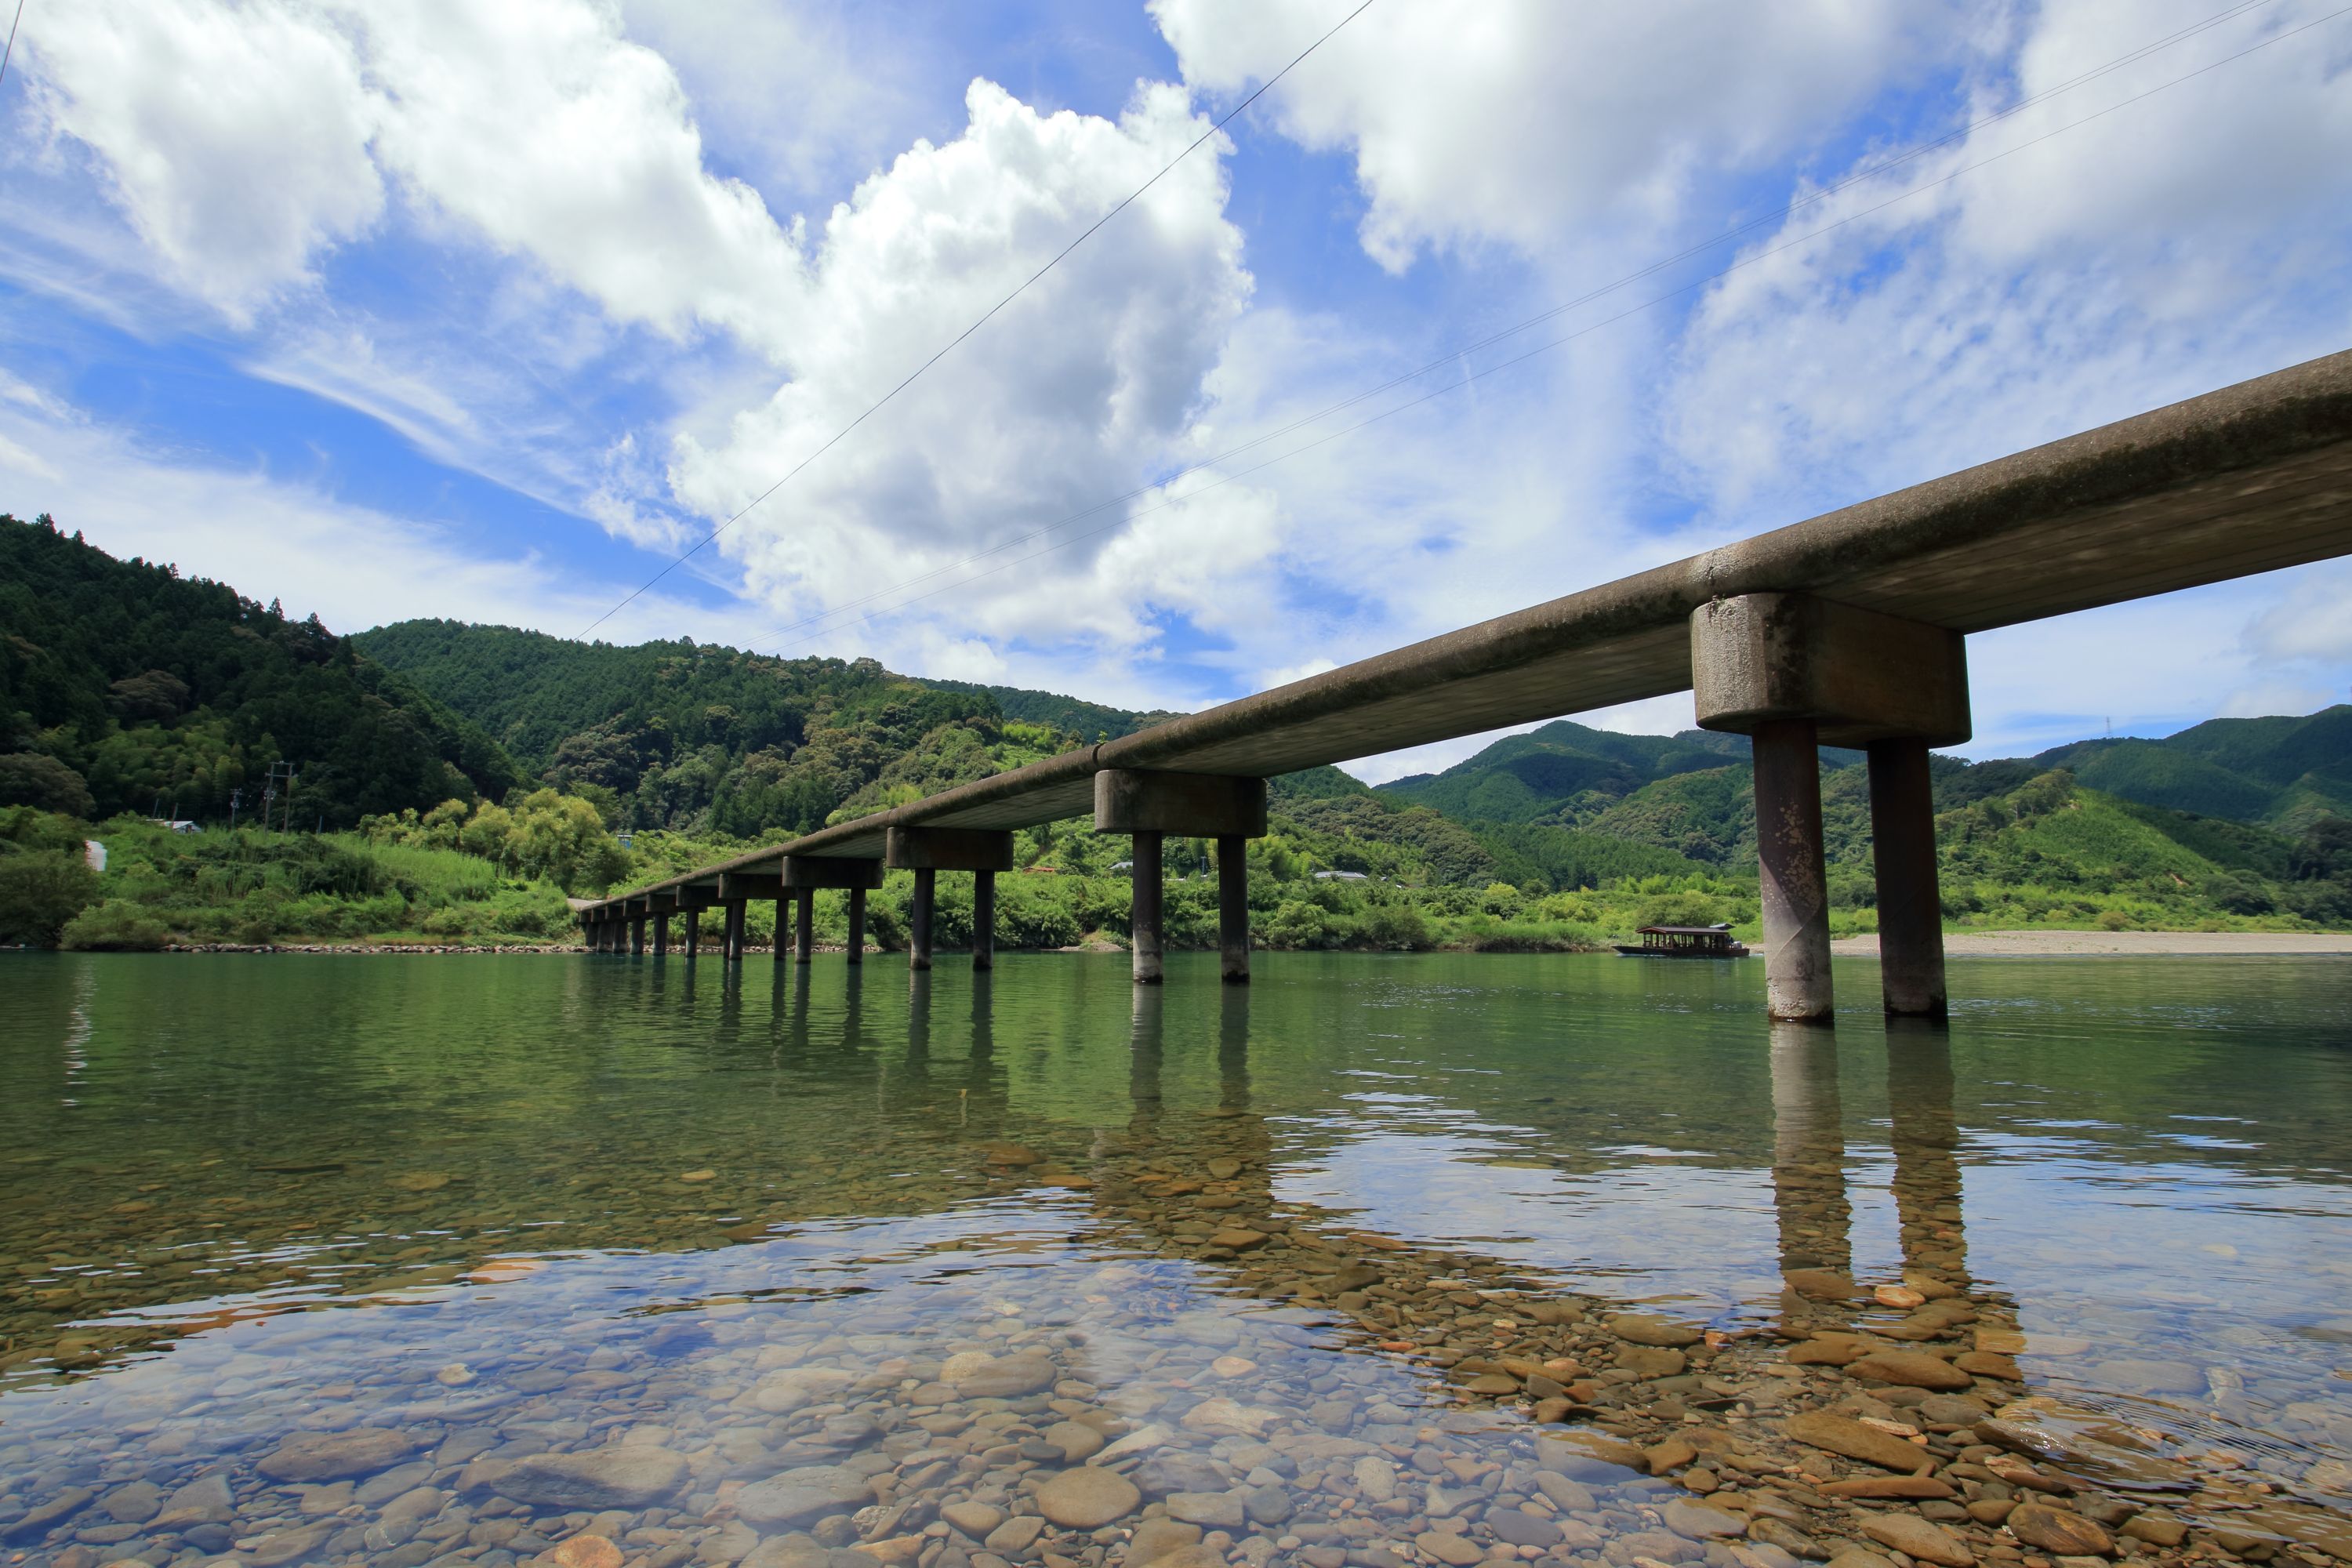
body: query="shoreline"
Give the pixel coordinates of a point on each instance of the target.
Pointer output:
(2024, 943)
(2118, 943)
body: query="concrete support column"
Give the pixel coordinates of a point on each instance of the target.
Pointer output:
(1795, 882)
(804, 924)
(661, 935)
(731, 941)
(927, 852)
(1149, 806)
(856, 925)
(636, 935)
(1910, 904)
(783, 924)
(693, 933)
(983, 920)
(919, 935)
(1233, 909)
(1145, 923)
(1795, 672)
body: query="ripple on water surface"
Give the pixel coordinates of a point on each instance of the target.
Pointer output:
(1440, 1259)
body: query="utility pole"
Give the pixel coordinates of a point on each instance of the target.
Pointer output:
(236, 799)
(269, 796)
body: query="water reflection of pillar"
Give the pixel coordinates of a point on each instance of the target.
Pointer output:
(1927, 1138)
(1146, 1045)
(1238, 1133)
(853, 1012)
(1232, 1053)
(919, 1016)
(1809, 1153)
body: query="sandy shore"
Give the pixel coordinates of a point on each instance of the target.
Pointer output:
(2126, 943)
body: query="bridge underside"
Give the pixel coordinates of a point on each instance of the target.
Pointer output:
(2247, 479)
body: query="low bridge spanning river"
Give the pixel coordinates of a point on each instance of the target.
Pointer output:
(1848, 630)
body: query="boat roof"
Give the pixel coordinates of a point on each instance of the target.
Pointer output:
(1685, 931)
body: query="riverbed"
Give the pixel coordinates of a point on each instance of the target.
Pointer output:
(1376, 1262)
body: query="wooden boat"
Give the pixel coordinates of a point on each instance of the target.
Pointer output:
(1684, 942)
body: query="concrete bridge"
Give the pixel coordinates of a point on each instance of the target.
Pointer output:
(1849, 629)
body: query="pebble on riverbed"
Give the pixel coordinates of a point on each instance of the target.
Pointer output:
(1185, 1406)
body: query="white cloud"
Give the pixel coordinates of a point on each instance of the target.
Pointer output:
(799, 97)
(234, 140)
(1082, 385)
(2174, 245)
(1521, 122)
(537, 125)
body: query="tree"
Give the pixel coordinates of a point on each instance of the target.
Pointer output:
(39, 893)
(27, 778)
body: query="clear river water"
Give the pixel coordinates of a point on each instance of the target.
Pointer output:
(1375, 1262)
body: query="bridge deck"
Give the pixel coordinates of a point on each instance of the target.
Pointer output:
(2245, 479)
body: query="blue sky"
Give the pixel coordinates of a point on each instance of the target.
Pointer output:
(416, 308)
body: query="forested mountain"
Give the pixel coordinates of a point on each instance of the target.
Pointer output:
(2238, 815)
(2284, 771)
(490, 770)
(1691, 792)
(696, 738)
(126, 686)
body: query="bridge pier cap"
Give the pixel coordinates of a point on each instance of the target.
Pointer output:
(947, 849)
(830, 871)
(1190, 805)
(1858, 675)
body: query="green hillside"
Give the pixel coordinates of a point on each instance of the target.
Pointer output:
(2285, 771)
(2231, 821)
(481, 774)
(693, 738)
(125, 687)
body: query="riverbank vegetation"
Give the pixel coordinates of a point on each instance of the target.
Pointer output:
(461, 782)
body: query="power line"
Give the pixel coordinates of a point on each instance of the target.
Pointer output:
(11, 49)
(1470, 377)
(1867, 172)
(1124, 203)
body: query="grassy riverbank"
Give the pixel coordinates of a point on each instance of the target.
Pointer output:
(498, 876)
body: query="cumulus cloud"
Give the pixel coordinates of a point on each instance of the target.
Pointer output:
(1518, 122)
(235, 143)
(244, 140)
(1061, 401)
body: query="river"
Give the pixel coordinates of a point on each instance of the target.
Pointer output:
(1377, 1261)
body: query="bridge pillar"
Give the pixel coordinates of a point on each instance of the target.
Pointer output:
(731, 937)
(804, 873)
(637, 933)
(693, 931)
(1794, 673)
(1149, 806)
(919, 922)
(983, 920)
(1233, 909)
(1910, 901)
(661, 933)
(783, 923)
(928, 851)
(1794, 880)
(803, 925)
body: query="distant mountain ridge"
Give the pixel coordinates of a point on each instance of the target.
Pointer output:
(2281, 773)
